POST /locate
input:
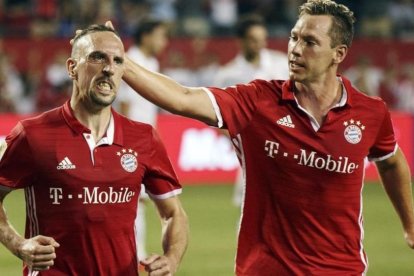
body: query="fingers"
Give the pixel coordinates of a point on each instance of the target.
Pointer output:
(109, 25)
(157, 265)
(43, 240)
(39, 252)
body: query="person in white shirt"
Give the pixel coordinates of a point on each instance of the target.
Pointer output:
(150, 38)
(254, 61)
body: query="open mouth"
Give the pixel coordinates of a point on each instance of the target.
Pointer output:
(105, 86)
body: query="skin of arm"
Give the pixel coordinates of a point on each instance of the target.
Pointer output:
(174, 238)
(395, 176)
(163, 91)
(37, 252)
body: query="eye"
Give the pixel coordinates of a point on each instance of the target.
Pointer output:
(293, 37)
(310, 42)
(96, 57)
(119, 61)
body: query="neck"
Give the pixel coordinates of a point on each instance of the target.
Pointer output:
(325, 93)
(94, 118)
(319, 97)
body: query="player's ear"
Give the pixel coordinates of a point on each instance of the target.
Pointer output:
(340, 53)
(71, 68)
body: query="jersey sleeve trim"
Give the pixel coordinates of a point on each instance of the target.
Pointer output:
(215, 107)
(382, 158)
(166, 195)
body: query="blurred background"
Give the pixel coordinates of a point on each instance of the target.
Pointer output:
(34, 45)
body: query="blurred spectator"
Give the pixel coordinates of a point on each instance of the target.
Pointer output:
(56, 87)
(365, 76)
(12, 98)
(163, 10)
(374, 21)
(401, 13)
(223, 16)
(176, 68)
(405, 90)
(254, 61)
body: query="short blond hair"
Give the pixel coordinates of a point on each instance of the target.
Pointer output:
(342, 29)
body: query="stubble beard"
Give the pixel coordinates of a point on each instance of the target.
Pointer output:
(100, 101)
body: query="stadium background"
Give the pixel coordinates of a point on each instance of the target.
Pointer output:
(34, 38)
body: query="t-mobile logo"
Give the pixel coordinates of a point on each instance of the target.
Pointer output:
(56, 195)
(93, 195)
(271, 148)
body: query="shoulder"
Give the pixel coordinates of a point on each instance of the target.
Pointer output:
(359, 98)
(47, 119)
(131, 125)
(268, 86)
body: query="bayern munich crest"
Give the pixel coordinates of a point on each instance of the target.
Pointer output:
(353, 131)
(129, 159)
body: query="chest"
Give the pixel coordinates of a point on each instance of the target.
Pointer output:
(285, 137)
(71, 171)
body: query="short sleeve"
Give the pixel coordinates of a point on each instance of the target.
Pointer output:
(16, 160)
(385, 143)
(160, 179)
(236, 104)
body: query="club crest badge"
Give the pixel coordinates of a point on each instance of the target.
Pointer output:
(353, 131)
(128, 159)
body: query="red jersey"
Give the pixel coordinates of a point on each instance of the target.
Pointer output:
(302, 212)
(85, 195)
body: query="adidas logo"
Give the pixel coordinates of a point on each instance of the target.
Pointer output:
(286, 121)
(65, 164)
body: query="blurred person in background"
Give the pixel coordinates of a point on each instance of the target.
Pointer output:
(365, 76)
(254, 61)
(12, 93)
(55, 89)
(81, 166)
(303, 143)
(404, 90)
(150, 39)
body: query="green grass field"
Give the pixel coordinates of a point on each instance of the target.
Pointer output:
(213, 221)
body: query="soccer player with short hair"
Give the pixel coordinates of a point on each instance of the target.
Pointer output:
(81, 166)
(302, 144)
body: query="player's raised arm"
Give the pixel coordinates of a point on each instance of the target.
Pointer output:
(165, 92)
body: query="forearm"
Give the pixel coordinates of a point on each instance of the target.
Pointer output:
(8, 235)
(397, 183)
(175, 236)
(168, 94)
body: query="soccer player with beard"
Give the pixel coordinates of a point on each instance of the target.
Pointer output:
(302, 143)
(81, 166)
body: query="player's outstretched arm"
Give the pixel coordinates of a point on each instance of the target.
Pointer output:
(174, 238)
(395, 175)
(38, 252)
(165, 92)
